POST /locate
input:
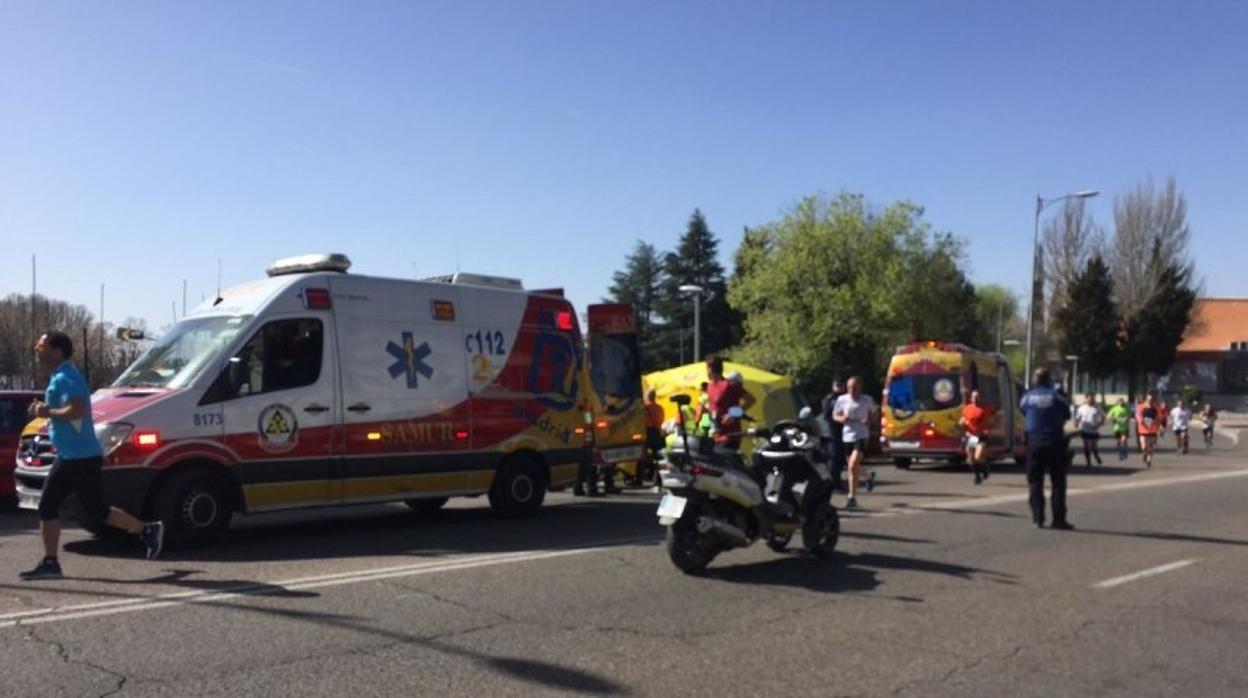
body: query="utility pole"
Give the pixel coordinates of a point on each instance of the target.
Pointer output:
(34, 322)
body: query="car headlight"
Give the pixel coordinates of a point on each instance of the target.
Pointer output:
(112, 435)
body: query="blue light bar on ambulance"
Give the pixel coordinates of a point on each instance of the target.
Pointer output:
(305, 263)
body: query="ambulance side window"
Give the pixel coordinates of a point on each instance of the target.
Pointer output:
(281, 355)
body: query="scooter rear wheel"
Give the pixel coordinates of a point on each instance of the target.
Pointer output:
(688, 549)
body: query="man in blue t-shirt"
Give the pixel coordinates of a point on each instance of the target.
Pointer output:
(79, 458)
(1047, 412)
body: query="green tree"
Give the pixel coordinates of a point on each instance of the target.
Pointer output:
(833, 287)
(1150, 338)
(996, 310)
(696, 262)
(640, 284)
(1086, 319)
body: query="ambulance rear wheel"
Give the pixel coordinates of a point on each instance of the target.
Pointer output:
(519, 488)
(426, 507)
(195, 506)
(902, 463)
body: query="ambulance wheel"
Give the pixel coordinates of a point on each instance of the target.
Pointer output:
(195, 506)
(519, 487)
(902, 463)
(426, 507)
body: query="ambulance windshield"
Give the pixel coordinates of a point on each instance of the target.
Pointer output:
(179, 356)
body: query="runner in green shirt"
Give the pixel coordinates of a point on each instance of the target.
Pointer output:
(1120, 421)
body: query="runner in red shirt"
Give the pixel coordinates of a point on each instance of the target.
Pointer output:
(722, 395)
(976, 421)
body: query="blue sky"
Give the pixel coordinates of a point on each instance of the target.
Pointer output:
(140, 142)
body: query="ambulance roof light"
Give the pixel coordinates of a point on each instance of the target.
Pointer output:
(305, 263)
(468, 279)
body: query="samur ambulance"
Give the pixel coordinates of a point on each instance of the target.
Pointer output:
(315, 387)
(925, 389)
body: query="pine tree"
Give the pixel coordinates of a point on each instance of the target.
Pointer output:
(1151, 337)
(1086, 319)
(695, 262)
(640, 284)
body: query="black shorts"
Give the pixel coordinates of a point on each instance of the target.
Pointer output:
(860, 446)
(80, 476)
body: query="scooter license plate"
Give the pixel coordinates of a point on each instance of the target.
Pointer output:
(671, 506)
(27, 501)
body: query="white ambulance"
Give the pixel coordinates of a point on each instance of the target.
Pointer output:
(316, 387)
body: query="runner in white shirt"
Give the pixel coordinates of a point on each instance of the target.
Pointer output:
(1089, 418)
(853, 410)
(1180, 420)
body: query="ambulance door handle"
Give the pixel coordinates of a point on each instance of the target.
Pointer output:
(315, 409)
(359, 407)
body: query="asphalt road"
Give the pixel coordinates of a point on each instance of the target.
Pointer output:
(938, 588)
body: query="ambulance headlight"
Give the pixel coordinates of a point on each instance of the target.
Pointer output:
(112, 435)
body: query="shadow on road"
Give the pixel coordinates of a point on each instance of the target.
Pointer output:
(393, 530)
(884, 537)
(1156, 535)
(973, 512)
(541, 674)
(843, 573)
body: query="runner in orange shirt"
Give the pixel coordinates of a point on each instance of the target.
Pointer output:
(976, 421)
(1148, 421)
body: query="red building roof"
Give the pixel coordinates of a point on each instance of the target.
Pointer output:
(1216, 322)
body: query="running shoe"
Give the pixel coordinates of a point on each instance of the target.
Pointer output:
(153, 537)
(871, 481)
(48, 568)
(851, 503)
(978, 478)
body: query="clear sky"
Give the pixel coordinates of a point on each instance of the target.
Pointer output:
(142, 141)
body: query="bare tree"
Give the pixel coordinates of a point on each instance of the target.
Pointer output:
(1070, 240)
(1144, 220)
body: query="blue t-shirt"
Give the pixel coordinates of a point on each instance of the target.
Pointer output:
(73, 438)
(1046, 411)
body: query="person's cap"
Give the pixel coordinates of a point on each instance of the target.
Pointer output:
(735, 377)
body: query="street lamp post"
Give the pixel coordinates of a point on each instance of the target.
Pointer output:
(696, 291)
(1037, 286)
(1074, 375)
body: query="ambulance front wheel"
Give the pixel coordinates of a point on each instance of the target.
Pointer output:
(519, 487)
(195, 506)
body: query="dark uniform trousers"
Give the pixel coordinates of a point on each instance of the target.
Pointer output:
(1046, 453)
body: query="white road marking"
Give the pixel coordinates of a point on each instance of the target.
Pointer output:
(113, 607)
(1117, 581)
(981, 502)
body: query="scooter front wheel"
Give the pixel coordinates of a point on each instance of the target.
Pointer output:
(821, 531)
(688, 549)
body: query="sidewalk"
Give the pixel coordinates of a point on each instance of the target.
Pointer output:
(1232, 420)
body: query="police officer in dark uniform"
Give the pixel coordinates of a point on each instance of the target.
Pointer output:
(1047, 412)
